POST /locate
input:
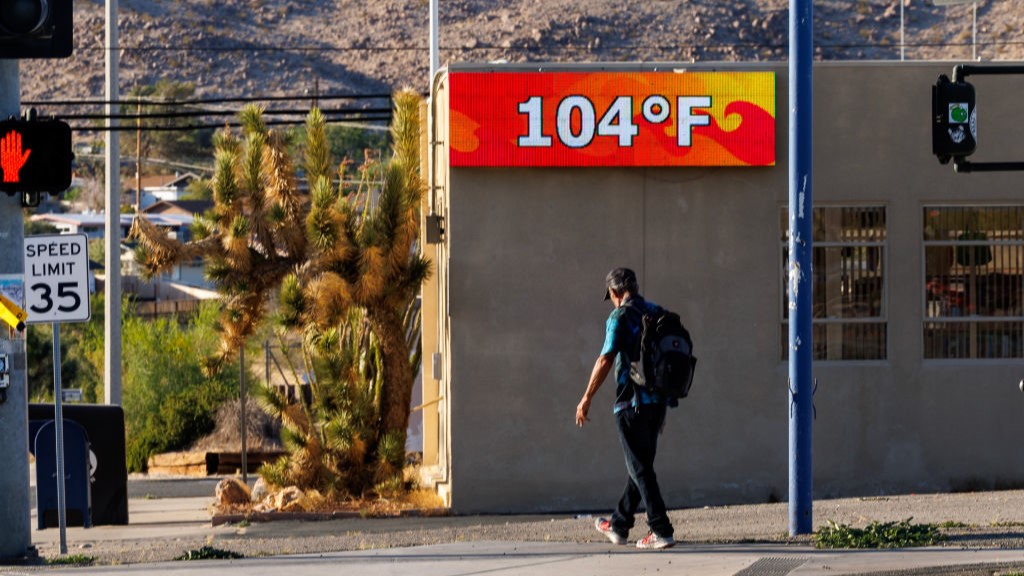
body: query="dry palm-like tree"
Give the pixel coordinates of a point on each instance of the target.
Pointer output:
(348, 272)
(253, 236)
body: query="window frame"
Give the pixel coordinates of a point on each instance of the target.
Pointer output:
(883, 317)
(972, 321)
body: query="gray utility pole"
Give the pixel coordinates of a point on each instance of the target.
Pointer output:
(16, 534)
(434, 34)
(112, 256)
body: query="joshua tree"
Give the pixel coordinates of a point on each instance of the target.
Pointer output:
(347, 268)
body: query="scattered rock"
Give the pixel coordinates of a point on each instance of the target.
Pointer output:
(231, 492)
(289, 500)
(178, 463)
(259, 490)
(265, 505)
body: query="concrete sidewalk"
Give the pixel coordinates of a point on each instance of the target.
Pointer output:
(571, 559)
(985, 529)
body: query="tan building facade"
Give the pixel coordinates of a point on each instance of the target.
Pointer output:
(919, 329)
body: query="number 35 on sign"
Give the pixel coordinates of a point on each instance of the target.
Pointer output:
(57, 278)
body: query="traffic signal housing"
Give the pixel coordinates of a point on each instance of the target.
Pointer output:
(36, 29)
(35, 156)
(954, 119)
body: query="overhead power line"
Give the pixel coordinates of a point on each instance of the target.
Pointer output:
(139, 114)
(181, 48)
(330, 113)
(229, 124)
(126, 101)
(479, 47)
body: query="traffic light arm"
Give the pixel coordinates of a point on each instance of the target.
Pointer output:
(962, 71)
(961, 164)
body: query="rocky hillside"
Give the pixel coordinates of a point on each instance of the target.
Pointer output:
(273, 47)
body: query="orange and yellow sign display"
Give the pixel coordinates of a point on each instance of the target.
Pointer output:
(612, 118)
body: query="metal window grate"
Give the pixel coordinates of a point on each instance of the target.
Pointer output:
(849, 262)
(973, 270)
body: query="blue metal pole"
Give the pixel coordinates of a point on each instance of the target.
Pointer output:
(801, 384)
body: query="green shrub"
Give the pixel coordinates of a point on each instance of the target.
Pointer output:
(901, 534)
(169, 401)
(71, 560)
(81, 345)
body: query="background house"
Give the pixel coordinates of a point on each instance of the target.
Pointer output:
(179, 290)
(168, 188)
(92, 224)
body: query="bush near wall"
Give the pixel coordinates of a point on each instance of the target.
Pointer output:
(169, 400)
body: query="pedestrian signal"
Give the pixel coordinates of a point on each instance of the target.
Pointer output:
(954, 119)
(35, 156)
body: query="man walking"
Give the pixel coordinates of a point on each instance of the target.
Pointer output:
(639, 415)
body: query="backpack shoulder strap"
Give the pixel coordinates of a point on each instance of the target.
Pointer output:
(636, 315)
(633, 308)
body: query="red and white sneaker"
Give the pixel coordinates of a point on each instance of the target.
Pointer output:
(655, 542)
(604, 526)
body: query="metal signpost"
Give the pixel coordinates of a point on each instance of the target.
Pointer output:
(57, 290)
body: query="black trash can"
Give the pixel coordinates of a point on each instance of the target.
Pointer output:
(77, 486)
(105, 428)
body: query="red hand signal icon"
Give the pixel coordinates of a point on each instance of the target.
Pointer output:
(35, 155)
(11, 156)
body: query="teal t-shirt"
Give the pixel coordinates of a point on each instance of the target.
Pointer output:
(620, 334)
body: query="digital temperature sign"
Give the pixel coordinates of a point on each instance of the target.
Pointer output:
(523, 119)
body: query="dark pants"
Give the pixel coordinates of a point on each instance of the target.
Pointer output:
(638, 431)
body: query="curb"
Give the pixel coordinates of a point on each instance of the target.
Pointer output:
(221, 519)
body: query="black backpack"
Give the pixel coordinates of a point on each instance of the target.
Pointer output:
(663, 359)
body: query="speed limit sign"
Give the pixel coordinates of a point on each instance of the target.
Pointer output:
(57, 278)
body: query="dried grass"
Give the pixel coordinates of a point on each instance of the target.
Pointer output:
(422, 501)
(263, 433)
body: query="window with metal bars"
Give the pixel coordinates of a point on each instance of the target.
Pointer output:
(973, 264)
(849, 259)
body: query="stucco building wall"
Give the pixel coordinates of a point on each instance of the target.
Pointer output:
(519, 316)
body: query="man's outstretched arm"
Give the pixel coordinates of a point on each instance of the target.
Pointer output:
(602, 367)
